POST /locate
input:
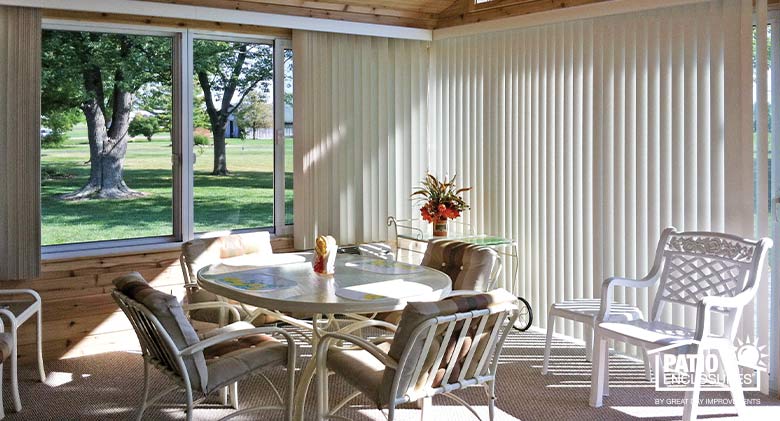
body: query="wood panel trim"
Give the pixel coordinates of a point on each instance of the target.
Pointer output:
(167, 22)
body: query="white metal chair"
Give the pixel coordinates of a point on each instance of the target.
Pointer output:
(18, 306)
(206, 364)
(712, 272)
(439, 347)
(471, 268)
(204, 306)
(6, 345)
(586, 311)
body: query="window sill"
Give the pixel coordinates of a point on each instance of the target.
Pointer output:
(133, 246)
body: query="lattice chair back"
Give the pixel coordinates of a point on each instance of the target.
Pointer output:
(698, 264)
(448, 345)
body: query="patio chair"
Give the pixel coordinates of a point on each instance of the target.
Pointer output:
(711, 272)
(470, 267)
(204, 306)
(206, 364)
(6, 345)
(18, 306)
(439, 347)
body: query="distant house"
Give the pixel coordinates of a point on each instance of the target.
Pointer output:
(231, 128)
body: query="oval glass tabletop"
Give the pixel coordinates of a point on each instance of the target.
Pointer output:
(360, 285)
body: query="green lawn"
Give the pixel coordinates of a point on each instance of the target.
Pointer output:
(244, 199)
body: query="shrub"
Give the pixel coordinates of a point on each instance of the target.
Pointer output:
(144, 126)
(201, 140)
(53, 140)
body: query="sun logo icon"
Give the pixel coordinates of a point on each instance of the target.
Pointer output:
(751, 355)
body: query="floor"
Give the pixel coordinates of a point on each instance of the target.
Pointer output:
(108, 386)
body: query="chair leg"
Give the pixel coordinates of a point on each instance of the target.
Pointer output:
(224, 396)
(233, 392)
(648, 366)
(548, 341)
(588, 333)
(691, 408)
(39, 328)
(322, 388)
(425, 407)
(188, 389)
(290, 388)
(2, 410)
(14, 374)
(735, 381)
(492, 400)
(146, 391)
(598, 379)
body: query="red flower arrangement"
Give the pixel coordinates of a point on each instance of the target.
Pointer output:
(441, 199)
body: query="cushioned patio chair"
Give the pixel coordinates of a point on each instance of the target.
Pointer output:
(204, 306)
(470, 267)
(439, 347)
(206, 364)
(708, 271)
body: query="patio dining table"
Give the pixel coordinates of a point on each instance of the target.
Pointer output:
(360, 287)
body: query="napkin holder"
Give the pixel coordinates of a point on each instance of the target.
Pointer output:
(325, 251)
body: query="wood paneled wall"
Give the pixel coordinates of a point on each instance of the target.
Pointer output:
(79, 315)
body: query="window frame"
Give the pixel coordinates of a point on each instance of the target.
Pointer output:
(182, 147)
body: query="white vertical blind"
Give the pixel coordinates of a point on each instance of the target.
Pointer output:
(20, 111)
(584, 139)
(360, 133)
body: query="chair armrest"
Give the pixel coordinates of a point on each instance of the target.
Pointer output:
(607, 291)
(31, 292)
(707, 305)
(213, 304)
(229, 336)
(7, 313)
(371, 348)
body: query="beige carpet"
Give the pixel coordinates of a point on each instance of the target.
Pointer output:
(108, 386)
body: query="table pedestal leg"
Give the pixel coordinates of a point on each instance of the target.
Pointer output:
(307, 374)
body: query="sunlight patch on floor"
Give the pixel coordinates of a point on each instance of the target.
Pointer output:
(58, 378)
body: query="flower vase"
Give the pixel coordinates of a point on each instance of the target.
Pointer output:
(440, 227)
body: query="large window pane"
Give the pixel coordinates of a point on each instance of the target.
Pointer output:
(106, 144)
(233, 135)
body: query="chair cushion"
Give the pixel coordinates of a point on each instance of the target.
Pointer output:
(6, 345)
(415, 314)
(469, 266)
(168, 311)
(205, 251)
(232, 360)
(361, 369)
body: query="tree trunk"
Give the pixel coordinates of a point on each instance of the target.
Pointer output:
(220, 158)
(107, 150)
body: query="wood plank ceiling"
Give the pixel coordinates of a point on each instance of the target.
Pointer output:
(428, 14)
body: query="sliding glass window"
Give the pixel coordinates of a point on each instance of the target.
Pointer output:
(233, 135)
(153, 135)
(106, 170)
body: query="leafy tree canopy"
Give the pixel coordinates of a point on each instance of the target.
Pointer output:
(125, 62)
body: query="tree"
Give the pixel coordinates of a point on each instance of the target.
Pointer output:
(156, 99)
(98, 73)
(59, 122)
(255, 113)
(227, 72)
(144, 126)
